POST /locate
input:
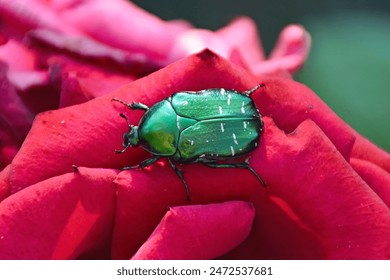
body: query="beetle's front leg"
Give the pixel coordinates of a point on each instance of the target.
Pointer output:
(142, 164)
(249, 92)
(138, 106)
(133, 106)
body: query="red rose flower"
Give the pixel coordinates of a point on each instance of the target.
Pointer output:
(326, 198)
(59, 53)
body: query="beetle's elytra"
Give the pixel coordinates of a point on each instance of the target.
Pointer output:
(210, 126)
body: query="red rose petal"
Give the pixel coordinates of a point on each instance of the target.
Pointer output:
(312, 193)
(297, 217)
(83, 82)
(366, 150)
(199, 231)
(97, 82)
(150, 191)
(290, 103)
(306, 171)
(15, 119)
(72, 92)
(14, 113)
(67, 136)
(140, 194)
(377, 178)
(4, 184)
(9, 146)
(64, 217)
(278, 233)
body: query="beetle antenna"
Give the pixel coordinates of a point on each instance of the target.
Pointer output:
(127, 120)
(249, 92)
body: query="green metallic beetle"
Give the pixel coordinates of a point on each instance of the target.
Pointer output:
(207, 126)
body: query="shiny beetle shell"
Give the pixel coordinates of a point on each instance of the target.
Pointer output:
(210, 126)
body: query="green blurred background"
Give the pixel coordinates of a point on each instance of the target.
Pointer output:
(349, 64)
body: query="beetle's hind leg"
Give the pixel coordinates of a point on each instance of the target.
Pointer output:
(244, 165)
(180, 174)
(142, 164)
(134, 106)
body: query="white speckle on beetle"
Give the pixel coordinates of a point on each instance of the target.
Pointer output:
(232, 150)
(222, 128)
(62, 122)
(207, 141)
(220, 110)
(177, 122)
(192, 142)
(223, 91)
(184, 103)
(244, 124)
(202, 155)
(255, 144)
(242, 108)
(228, 99)
(235, 139)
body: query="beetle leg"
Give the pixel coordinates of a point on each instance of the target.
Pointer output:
(142, 164)
(180, 174)
(138, 106)
(244, 165)
(249, 92)
(134, 106)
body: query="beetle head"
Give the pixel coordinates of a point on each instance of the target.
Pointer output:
(130, 138)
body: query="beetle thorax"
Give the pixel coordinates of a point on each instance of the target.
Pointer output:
(131, 138)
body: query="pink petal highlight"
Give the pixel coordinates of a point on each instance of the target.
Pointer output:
(195, 40)
(26, 58)
(242, 34)
(23, 17)
(89, 49)
(290, 52)
(121, 24)
(26, 80)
